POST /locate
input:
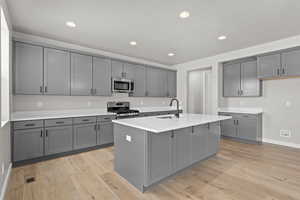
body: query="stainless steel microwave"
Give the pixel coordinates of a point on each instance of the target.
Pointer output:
(120, 85)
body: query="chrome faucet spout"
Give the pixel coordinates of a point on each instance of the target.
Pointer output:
(177, 102)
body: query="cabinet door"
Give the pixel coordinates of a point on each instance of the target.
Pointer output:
(137, 73)
(172, 84)
(28, 69)
(247, 127)
(250, 84)
(85, 135)
(160, 156)
(58, 139)
(105, 133)
(228, 127)
(231, 80)
(291, 63)
(81, 74)
(182, 148)
(213, 138)
(56, 72)
(101, 76)
(269, 66)
(28, 144)
(199, 142)
(117, 69)
(156, 82)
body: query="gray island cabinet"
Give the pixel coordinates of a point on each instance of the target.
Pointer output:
(148, 150)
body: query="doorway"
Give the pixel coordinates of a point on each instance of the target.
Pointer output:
(199, 91)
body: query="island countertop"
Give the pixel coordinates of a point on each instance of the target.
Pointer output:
(158, 124)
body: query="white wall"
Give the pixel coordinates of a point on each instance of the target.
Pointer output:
(275, 93)
(5, 158)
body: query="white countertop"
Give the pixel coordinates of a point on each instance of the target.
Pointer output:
(54, 114)
(156, 125)
(254, 111)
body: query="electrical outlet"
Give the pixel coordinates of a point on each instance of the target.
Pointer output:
(285, 133)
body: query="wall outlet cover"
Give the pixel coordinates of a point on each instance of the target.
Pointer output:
(285, 133)
(128, 138)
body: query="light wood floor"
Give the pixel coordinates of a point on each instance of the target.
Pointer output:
(239, 171)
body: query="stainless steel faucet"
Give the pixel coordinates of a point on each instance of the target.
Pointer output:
(171, 102)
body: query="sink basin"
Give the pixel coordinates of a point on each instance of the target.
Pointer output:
(166, 117)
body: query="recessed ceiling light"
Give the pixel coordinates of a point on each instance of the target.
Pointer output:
(184, 14)
(133, 43)
(70, 24)
(171, 54)
(222, 37)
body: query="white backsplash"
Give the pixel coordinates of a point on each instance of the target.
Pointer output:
(39, 102)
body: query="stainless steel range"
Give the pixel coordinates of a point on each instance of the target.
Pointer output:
(122, 109)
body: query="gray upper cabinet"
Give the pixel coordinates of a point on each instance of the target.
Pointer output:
(85, 135)
(231, 80)
(56, 72)
(240, 79)
(250, 84)
(182, 148)
(137, 73)
(156, 82)
(117, 69)
(81, 74)
(291, 63)
(28, 144)
(58, 139)
(172, 83)
(28, 69)
(101, 76)
(269, 66)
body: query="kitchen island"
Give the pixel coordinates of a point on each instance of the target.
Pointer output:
(150, 149)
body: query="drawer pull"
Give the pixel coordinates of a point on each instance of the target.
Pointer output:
(59, 122)
(106, 118)
(85, 120)
(29, 125)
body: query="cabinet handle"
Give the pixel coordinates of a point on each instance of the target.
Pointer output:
(237, 122)
(29, 124)
(41, 133)
(59, 122)
(95, 127)
(41, 89)
(234, 122)
(278, 72)
(85, 120)
(46, 133)
(172, 135)
(46, 89)
(242, 92)
(283, 71)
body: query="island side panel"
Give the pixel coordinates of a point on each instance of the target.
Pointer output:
(213, 140)
(130, 154)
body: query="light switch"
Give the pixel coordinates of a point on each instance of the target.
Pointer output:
(128, 138)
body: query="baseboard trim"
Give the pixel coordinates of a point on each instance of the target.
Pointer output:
(288, 144)
(5, 183)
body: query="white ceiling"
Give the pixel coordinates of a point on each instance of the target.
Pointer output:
(111, 24)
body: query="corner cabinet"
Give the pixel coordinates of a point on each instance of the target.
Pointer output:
(240, 79)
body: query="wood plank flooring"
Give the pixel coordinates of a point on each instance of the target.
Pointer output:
(238, 172)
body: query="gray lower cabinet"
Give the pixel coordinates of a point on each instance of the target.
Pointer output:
(28, 69)
(105, 134)
(85, 135)
(56, 72)
(81, 74)
(182, 148)
(213, 138)
(199, 143)
(246, 127)
(101, 77)
(28, 144)
(58, 139)
(160, 156)
(269, 66)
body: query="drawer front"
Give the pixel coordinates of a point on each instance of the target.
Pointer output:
(28, 124)
(106, 118)
(58, 122)
(84, 120)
